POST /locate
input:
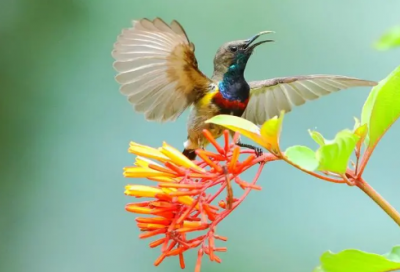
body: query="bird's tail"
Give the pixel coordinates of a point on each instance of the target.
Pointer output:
(189, 153)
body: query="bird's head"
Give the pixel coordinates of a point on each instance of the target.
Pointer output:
(235, 54)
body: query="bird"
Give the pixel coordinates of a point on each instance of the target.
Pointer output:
(158, 73)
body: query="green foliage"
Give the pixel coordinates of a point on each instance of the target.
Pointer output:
(318, 138)
(234, 122)
(237, 124)
(267, 136)
(333, 156)
(382, 108)
(352, 260)
(303, 157)
(271, 132)
(390, 39)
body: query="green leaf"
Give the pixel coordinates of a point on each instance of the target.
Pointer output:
(334, 155)
(267, 136)
(382, 108)
(394, 254)
(271, 132)
(318, 138)
(237, 124)
(357, 123)
(303, 157)
(361, 132)
(353, 260)
(389, 39)
(367, 109)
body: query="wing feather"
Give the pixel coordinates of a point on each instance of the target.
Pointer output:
(157, 69)
(293, 95)
(269, 97)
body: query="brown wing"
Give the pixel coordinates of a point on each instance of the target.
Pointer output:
(157, 69)
(269, 97)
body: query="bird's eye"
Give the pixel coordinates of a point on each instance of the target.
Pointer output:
(233, 48)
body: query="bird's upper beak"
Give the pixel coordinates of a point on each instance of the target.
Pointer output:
(250, 46)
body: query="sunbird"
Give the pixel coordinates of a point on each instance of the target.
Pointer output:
(158, 72)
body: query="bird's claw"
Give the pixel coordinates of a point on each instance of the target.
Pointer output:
(258, 151)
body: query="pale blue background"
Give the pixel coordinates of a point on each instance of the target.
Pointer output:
(65, 130)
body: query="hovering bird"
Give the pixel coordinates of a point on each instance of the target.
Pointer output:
(158, 72)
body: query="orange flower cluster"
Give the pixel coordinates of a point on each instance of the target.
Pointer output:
(179, 202)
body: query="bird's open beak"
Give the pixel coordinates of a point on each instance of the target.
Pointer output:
(249, 42)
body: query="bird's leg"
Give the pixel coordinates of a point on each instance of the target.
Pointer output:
(256, 149)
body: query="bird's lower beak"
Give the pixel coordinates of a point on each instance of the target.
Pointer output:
(250, 46)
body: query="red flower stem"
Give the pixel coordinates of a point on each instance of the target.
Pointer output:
(237, 203)
(212, 140)
(226, 141)
(358, 152)
(180, 241)
(198, 263)
(218, 181)
(220, 190)
(375, 196)
(187, 211)
(229, 189)
(221, 216)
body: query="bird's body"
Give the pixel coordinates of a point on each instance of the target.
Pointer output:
(159, 74)
(230, 95)
(212, 104)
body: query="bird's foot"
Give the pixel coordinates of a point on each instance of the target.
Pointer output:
(257, 150)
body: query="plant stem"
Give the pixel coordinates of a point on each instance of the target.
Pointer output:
(312, 173)
(364, 161)
(375, 196)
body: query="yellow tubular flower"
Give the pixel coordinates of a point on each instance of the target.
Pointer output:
(177, 157)
(147, 151)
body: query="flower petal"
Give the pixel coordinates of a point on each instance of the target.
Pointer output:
(164, 179)
(192, 224)
(142, 191)
(177, 157)
(140, 172)
(144, 162)
(147, 151)
(185, 200)
(137, 209)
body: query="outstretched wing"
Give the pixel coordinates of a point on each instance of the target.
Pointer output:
(157, 69)
(269, 97)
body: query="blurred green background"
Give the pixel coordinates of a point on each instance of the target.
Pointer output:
(65, 130)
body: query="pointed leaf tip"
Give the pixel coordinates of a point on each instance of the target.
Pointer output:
(382, 108)
(357, 123)
(317, 137)
(361, 132)
(271, 132)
